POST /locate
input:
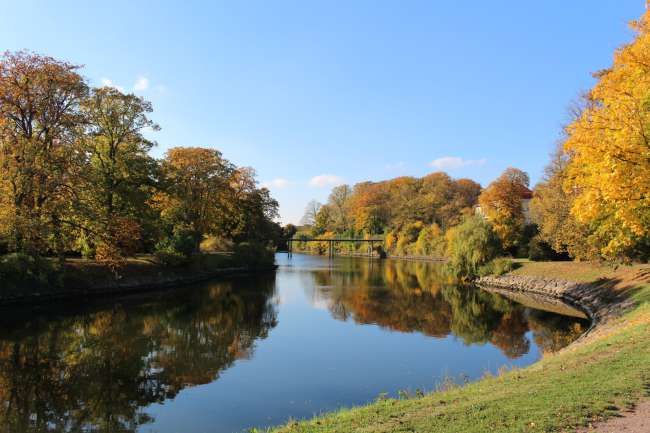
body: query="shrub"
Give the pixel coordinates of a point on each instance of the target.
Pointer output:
(471, 245)
(498, 266)
(18, 269)
(540, 250)
(407, 237)
(431, 242)
(390, 242)
(177, 249)
(168, 256)
(253, 254)
(212, 244)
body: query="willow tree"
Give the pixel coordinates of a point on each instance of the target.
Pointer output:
(610, 143)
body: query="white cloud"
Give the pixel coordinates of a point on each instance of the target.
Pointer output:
(324, 180)
(454, 162)
(108, 83)
(142, 83)
(278, 183)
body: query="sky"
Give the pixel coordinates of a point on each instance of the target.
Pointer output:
(317, 93)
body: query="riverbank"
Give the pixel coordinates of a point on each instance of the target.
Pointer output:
(88, 278)
(598, 377)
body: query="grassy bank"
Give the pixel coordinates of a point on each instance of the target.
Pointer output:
(596, 378)
(144, 272)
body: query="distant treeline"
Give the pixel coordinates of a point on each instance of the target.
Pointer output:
(593, 202)
(76, 177)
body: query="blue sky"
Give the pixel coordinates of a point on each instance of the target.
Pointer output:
(314, 93)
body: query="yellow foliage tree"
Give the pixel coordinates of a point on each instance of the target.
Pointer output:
(610, 143)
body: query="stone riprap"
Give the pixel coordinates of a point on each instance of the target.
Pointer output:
(599, 302)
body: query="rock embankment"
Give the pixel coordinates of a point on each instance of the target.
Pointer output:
(598, 302)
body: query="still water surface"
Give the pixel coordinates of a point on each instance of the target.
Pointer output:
(226, 356)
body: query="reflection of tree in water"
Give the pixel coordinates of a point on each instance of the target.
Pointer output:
(95, 371)
(553, 332)
(417, 297)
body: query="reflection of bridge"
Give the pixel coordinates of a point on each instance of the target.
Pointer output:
(331, 243)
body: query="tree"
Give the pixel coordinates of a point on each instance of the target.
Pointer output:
(501, 203)
(311, 210)
(610, 147)
(471, 245)
(39, 118)
(337, 201)
(197, 190)
(251, 209)
(118, 175)
(551, 211)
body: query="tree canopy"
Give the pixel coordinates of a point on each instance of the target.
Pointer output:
(76, 176)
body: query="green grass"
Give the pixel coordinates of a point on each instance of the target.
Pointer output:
(592, 380)
(584, 272)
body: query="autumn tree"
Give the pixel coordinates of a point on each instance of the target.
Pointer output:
(197, 187)
(118, 175)
(251, 211)
(501, 203)
(39, 119)
(610, 147)
(551, 211)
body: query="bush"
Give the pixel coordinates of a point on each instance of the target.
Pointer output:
(431, 242)
(213, 244)
(471, 245)
(407, 237)
(177, 249)
(540, 250)
(18, 269)
(253, 254)
(168, 256)
(499, 266)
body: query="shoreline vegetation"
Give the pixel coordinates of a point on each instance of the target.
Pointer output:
(82, 198)
(597, 377)
(80, 278)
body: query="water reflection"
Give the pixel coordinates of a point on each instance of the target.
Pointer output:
(95, 371)
(107, 367)
(411, 296)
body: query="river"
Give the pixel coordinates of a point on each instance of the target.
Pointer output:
(224, 356)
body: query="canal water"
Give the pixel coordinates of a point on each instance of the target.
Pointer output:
(225, 356)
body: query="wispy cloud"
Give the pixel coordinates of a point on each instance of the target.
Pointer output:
(109, 83)
(141, 84)
(454, 162)
(278, 183)
(324, 180)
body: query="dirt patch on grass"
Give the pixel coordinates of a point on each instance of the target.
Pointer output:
(631, 421)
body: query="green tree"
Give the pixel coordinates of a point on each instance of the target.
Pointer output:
(471, 245)
(118, 174)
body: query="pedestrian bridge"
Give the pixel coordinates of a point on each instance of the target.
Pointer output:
(331, 242)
